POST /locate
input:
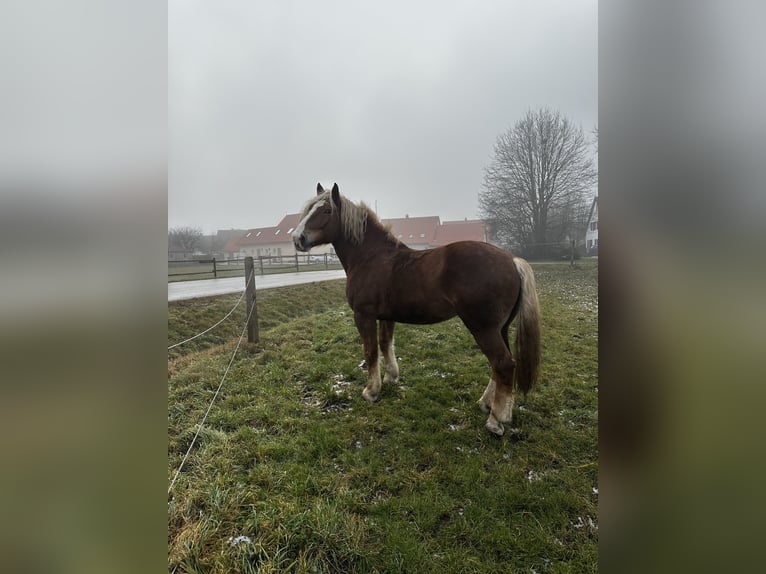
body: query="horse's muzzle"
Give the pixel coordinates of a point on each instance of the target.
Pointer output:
(301, 243)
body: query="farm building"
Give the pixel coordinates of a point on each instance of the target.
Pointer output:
(415, 232)
(268, 241)
(428, 232)
(465, 230)
(591, 231)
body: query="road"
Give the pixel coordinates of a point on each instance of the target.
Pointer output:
(208, 287)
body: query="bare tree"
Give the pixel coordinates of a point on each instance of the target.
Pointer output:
(541, 169)
(595, 138)
(184, 238)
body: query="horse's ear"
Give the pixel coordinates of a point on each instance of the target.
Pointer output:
(320, 189)
(335, 195)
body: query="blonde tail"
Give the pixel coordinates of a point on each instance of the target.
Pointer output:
(527, 330)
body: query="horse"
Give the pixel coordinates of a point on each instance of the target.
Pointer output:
(388, 282)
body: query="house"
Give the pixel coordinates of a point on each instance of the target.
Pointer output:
(591, 231)
(465, 230)
(268, 241)
(221, 238)
(428, 232)
(415, 232)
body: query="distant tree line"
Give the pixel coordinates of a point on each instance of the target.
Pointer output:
(539, 184)
(184, 238)
(189, 242)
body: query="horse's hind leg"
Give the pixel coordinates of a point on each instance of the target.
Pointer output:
(485, 402)
(386, 338)
(367, 329)
(498, 396)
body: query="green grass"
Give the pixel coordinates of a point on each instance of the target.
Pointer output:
(318, 480)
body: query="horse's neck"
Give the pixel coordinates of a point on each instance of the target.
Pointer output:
(376, 243)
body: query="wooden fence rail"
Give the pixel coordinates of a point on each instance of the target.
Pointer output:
(214, 268)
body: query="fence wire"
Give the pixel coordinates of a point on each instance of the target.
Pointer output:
(212, 401)
(219, 322)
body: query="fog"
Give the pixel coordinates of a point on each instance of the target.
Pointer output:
(399, 103)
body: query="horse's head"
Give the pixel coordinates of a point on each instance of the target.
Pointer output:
(320, 220)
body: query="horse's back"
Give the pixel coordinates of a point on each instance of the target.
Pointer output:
(478, 261)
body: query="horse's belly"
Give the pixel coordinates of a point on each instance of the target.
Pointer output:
(419, 319)
(424, 313)
(401, 301)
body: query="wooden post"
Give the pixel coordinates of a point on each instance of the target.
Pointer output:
(325, 261)
(253, 336)
(260, 262)
(571, 261)
(296, 262)
(215, 273)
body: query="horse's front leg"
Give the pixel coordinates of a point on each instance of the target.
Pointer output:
(367, 327)
(386, 340)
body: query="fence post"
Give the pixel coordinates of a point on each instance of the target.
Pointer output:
(253, 336)
(296, 262)
(325, 261)
(260, 261)
(215, 273)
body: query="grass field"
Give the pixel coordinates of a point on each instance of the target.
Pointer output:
(295, 472)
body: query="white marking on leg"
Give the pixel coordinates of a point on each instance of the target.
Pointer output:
(392, 368)
(502, 404)
(494, 426)
(372, 391)
(506, 412)
(485, 402)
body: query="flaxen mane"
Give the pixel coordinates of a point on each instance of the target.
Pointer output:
(353, 217)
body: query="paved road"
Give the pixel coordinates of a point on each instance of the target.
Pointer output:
(207, 287)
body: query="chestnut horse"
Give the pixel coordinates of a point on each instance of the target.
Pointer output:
(387, 282)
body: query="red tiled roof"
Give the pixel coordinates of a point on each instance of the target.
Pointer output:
(466, 230)
(232, 244)
(409, 230)
(289, 221)
(265, 235)
(414, 229)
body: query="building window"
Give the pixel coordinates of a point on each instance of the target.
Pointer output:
(422, 235)
(594, 225)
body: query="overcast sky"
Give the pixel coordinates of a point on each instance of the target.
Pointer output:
(398, 102)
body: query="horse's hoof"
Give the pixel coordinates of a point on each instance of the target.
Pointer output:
(370, 397)
(485, 408)
(494, 426)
